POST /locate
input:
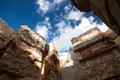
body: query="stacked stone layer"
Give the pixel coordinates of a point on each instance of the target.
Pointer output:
(99, 60)
(22, 54)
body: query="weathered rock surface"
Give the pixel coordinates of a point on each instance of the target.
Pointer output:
(70, 67)
(31, 42)
(5, 35)
(22, 55)
(16, 61)
(52, 69)
(99, 60)
(111, 34)
(103, 66)
(107, 10)
(86, 39)
(96, 49)
(52, 65)
(31, 38)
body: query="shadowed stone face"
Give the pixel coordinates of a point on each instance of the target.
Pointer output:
(82, 5)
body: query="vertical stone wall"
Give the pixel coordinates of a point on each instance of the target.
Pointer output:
(52, 65)
(98, 55)
(70, 67)
(22, 55)
(5, 36)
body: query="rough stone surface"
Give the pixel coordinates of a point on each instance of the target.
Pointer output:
(21, 53)
(87, 38)
(117, 41)
(70, 67)
(52, 69)
(96, 49)
(31, 42)
(8, 76)
(6, 34)
(17, 61)
(52, 65)
(72, 73)
(111, 34)
(107, 10)
(99, 60)
(103, 66)
(32, 38)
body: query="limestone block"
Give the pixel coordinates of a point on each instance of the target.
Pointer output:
(111, 34)
(34, 53)
(96, 49)
(32, 38)
(117, 41)
(87, 38)
(16, 61)
(51, 68)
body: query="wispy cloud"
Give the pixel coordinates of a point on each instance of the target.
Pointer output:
(44, 5)
(57, 1)
(42, 28)
(47, 5)
(74, 15)
(103, 27)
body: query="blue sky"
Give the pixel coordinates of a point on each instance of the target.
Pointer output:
(56, 20)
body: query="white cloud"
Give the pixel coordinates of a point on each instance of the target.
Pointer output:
(47, 19)
(57, 1)
(42, 30)
(74, 15)
(44, 5)
(103, 27)
(60, 24)
(63, 42)
(47, 5)
(66, 8)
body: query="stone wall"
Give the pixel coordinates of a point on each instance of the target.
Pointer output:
(51, 65)
(99, 56)
(22, 54)
(70, 67)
